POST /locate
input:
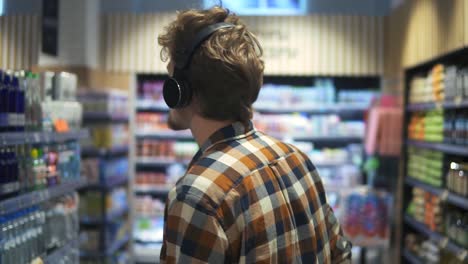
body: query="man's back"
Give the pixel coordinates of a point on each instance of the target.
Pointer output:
(249, 198)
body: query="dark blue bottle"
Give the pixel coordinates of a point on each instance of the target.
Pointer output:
(3, 102)
(3, 170)
(12, 95)
(19, 106)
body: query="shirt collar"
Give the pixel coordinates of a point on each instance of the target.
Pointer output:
(235, 130)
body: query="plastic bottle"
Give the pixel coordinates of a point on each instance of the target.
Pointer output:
(2, 105)
(5, 102)
(20, 104)
(12, 99)
(3, 171)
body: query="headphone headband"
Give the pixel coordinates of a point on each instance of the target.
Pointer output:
(176, 90)
(198, 40)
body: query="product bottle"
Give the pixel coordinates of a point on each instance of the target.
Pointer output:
(5, 102)
(2, 105)
(12, 99)
(3, 171)
(36, 103)
(19, 89)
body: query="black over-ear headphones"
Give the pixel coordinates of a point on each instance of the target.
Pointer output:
(176, 90)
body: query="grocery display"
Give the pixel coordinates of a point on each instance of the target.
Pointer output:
(425, 165)
(435, 202)
(32, 232)
(104, 217)
(365, 216)
(40, 129)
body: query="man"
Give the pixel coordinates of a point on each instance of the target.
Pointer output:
(246, 197)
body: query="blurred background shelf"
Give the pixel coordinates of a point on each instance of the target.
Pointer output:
(446, 148)
(36, 197)
(111, 250)
(152, 190)
(158, 162)
(105, 152)
(110, 184)
(454, 104)
(109, 217)
(163, 135)
(441, 240)
(19, 138)
(93, 117)
(337, 108)
(449, 197)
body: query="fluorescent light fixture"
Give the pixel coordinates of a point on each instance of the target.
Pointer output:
(262, 7)
(1, 7)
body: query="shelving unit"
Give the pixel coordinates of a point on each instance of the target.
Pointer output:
(30, 199)
(440, 239)
(446, 196)
(449, 151)
(104, 187)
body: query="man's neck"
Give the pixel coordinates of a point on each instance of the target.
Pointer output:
(203, 128)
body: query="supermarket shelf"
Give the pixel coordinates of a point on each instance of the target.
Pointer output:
(446, 148)
(335, 139)
(149, 215)
(158, 162)
(148, 255)
(18, 138)
(151, 106)
(89, 117)
(427, 187)
(105, 152)
(10, 188)
(111, 184)
(152, 190)
(111, 216)
(317, 109)
(449, 197)
(36, 197)
(410, 257)
(332, 164)
(57, 255)
(458, 200)
(163, 135)
(443, 241)
(114, 248)
(455, 104)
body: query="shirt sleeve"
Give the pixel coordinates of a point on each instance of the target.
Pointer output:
(192, 234)
(340, 247)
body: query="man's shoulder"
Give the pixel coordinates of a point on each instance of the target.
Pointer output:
(208, 181)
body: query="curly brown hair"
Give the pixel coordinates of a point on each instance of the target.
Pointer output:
(226, 71)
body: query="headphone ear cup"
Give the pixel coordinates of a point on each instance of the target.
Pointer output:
(176, 93)
(172, 92)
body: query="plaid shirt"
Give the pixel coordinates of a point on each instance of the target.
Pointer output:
(249, 198)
